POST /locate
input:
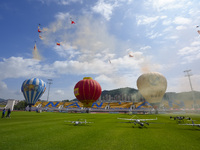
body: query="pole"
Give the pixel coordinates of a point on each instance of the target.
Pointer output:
(188, 75)
(49, 82)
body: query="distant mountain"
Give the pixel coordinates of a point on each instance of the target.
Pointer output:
(120, 91)
(1, 99)
(183, 96)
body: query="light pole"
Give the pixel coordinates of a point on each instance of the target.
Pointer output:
(188, 75)
(49, 82)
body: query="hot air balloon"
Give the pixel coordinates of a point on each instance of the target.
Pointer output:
(87, 91)
(152, 86)
(32, 90)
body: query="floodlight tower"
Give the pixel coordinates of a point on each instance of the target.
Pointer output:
(188, 74)
(49, 82)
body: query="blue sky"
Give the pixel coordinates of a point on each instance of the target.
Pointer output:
(161, 35)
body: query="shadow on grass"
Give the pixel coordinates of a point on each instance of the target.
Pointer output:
(140, 127)
(191, 129)
(80, 125)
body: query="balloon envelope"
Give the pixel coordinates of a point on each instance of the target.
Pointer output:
(87, 91)
(152, 86)
(33, 89)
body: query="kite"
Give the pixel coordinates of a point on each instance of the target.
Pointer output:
(57, 43)
(40, 37)
(130, 54)
(36, 54)
(72, 22)
(39, 29)
(35, 48)
(198, 30)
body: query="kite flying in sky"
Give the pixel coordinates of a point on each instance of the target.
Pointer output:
(36, 54)
(198, 30)
(72, 21)
(39, 29)
(40, 37)
(57, 43)
(130, 54)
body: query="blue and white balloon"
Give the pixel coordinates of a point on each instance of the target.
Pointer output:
(33, 89)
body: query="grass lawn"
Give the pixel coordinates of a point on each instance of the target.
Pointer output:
(48, 131)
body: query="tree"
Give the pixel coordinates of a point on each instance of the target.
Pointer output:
(20, 106)
(65, 100)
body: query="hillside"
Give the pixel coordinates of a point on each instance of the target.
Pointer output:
(183, 96)
(127, 91)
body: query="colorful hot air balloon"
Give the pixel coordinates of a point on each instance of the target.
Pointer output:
(32, 90)
(152, 86)
(87, 91)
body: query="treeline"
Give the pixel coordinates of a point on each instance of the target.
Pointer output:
(21, 105)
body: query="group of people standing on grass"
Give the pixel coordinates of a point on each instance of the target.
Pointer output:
(4, 112)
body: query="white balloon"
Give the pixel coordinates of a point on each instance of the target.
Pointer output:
(152, 86)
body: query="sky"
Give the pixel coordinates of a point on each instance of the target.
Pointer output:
(161, 35)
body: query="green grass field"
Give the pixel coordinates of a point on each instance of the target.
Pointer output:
(48, 131)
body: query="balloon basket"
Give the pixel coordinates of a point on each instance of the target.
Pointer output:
(30, 108)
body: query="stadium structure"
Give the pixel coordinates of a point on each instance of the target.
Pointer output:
(125, 100)
(112, 107)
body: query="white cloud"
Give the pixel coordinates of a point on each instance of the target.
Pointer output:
(168, 29)
(60, 2)
(117, 73)
(92, 37)
(142, 20)
(115, 81)
(87, 40)
(15, 67)
(190, 53)
(119, 68)
(105, 9)
(181, 83)
(18, 67)
(153, 35)
(60, 92)
(188, 50)
(161, 5)
(182, 20)
(75, 67)
(145, 47)
(181, 28)
(62, 16)
(195, 43)
(166, 22)
(67, 2)
(174, 37)
(66, 50)
(103, 79)
(3, 86)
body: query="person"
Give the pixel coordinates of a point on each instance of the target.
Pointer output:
(8, 113)
(3, 113)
